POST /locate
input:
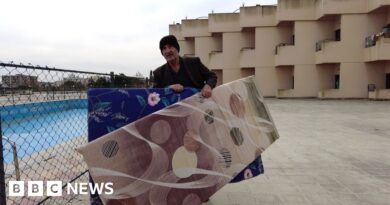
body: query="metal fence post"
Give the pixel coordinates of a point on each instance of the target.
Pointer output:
(112, 78)
(3, 197)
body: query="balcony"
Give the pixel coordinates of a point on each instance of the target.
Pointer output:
(188, 55)
(285, 93)
(381, 94)
(329, 94)
(284, 54)
(247, 57)
(375, 4)
(377, 47)
(216, 60)
(328, 51)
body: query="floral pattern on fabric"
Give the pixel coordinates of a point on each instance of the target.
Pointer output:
(110, 109)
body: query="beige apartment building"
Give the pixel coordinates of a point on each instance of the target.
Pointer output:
(298, 48)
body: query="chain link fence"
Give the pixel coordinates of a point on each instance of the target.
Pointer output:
(43, 115)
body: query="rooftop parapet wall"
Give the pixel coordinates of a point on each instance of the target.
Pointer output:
(294, 10)
(176, 30)
(224, 22)
(256, 16)
(195, 28)
(329, 7)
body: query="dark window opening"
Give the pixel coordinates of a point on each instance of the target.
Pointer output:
(292, 86)
(387, 80)
(337, 35)
(337, 81)
(293, 39)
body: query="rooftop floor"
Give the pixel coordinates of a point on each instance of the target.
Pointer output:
(329, 152)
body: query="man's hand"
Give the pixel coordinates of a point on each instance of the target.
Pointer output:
(177, 87)
(206, 91)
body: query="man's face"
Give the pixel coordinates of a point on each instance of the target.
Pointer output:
(170, 53)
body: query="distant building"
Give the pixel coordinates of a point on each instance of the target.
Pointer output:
(19, 80)
(297, 48)
(73, 78)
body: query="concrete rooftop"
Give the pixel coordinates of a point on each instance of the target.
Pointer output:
(329, 152)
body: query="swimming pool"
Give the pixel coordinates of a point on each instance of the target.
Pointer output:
(37, 126)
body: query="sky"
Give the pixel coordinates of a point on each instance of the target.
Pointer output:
(95, 35)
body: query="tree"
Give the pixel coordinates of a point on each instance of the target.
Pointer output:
(73, 85)
(122, 80)
(139, 74)
(101, 82)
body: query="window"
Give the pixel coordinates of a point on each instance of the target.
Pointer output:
(337, 81)
(292, 86)
(293, 39)
(337, 35)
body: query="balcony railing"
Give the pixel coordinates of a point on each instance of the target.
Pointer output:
(189, 55)
(329, 94)
(215, 52)
(281, 45)
(247, 48)
(372, 39)
(320, 44)
(379, 94)
(216, 59)
(328, 51)
(377, 46)
(285, 93)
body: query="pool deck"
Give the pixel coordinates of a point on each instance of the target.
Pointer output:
(60, 162)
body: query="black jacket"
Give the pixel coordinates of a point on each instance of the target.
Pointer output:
(197, 72)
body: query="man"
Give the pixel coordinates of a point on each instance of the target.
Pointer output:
(180, 72)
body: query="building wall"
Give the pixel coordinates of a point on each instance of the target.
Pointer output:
(353, 80)
(15, 81)
(387, 67)
(284, 77)
(267, 38)
(327, 7)
(266, 80)
(303, 32)
(257, 16)
(388, 15)
(195, 27)
(326, 75)
(296, 10)
(203, 47)
(375, 74)
(306, 83)
(187, 47)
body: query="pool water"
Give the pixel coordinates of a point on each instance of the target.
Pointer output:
(34, 132)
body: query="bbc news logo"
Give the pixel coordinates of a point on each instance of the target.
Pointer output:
(54, 188)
